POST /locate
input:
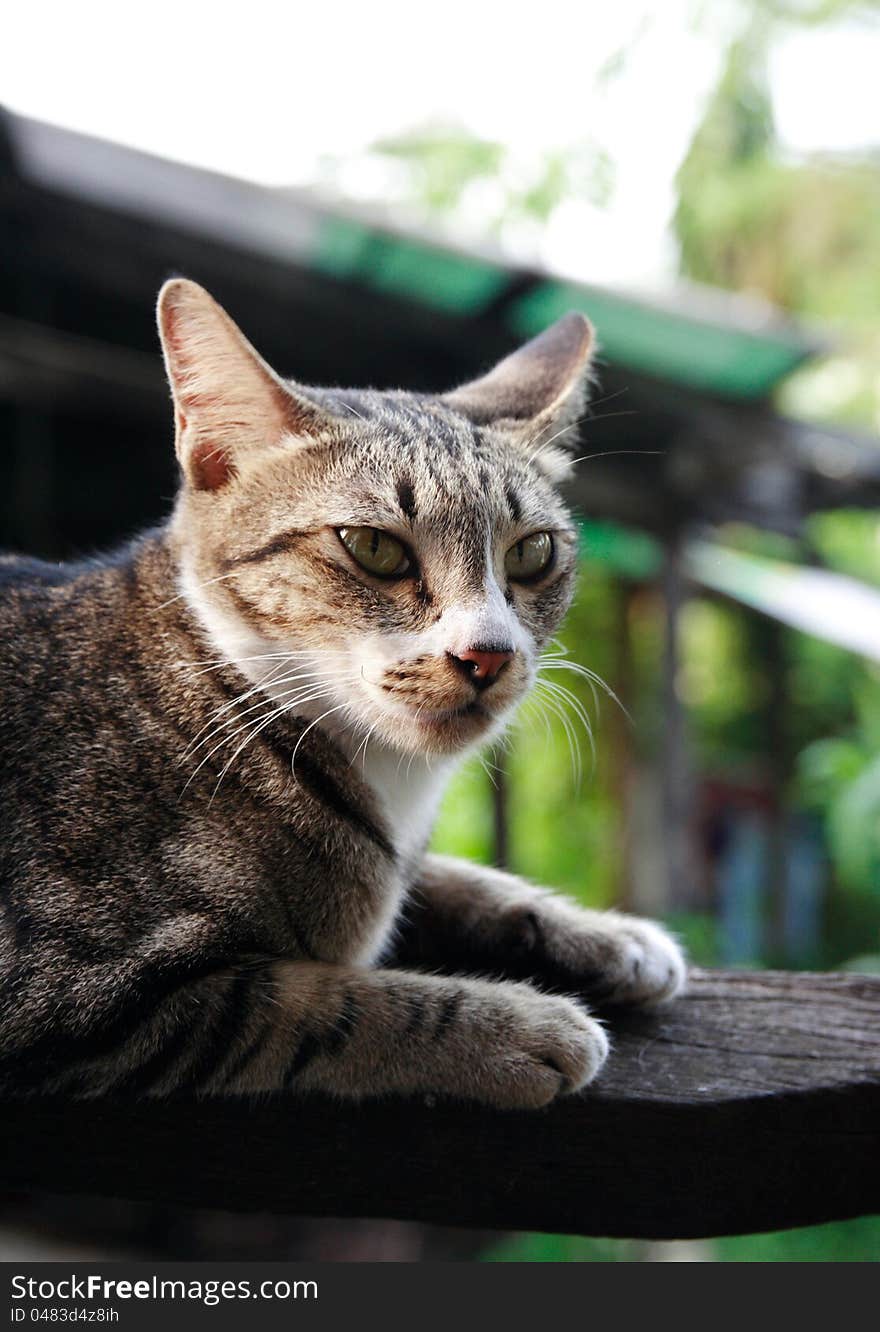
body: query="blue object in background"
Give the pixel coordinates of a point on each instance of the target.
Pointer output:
(741, 876)
(805, 878)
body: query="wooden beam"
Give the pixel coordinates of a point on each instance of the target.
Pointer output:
(50, 369)
(753, 1103)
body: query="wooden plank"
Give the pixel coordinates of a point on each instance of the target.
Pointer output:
(752, 1103)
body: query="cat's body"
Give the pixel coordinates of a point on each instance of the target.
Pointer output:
(222, 750)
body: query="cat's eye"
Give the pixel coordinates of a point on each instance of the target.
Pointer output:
(530, 557)
(376, 551)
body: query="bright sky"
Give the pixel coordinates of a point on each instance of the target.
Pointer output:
(265, 90)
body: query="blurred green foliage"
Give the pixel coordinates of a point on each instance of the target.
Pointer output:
(433, 168)
(804, 233)
(801, 232)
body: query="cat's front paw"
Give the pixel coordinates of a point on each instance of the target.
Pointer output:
(607, 956)
(526, 1049)
(643, 963)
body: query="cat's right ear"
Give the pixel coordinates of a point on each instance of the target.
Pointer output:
(542, 385)
(227, 400)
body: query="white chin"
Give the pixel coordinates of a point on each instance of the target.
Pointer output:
(448, 732)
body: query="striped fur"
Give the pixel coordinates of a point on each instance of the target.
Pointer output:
(221, 751)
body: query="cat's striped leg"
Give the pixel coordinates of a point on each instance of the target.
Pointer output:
(465, 917)
(357, 1032)
(368, 1032)
(276, 1026)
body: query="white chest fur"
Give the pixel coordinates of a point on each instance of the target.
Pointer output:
(408, 791)
(407, 794)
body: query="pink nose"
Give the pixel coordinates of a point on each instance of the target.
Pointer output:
(483, 666)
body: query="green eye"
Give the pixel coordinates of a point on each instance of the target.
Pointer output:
(375, 551)
(530, 557)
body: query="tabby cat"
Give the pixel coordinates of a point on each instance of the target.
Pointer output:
(222, 749)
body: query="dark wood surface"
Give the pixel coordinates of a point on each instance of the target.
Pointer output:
(752, 1103)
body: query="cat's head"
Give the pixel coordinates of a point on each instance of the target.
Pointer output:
(397, 559)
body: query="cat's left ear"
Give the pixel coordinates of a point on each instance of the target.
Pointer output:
(227, 400)
(544, 383)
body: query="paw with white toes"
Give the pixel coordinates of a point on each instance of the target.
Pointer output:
(607, 956)
(643, 964)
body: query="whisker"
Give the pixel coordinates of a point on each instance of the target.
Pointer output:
(217, 663)
(366, 743)
(620, 453)
(311, 727)
(261, 726)
(301, 696)
(549, 662)
(551, 665)
(313, 679)
(528, 716)
(271, 678)
(567, 698)
(554, 706)
(606, 397)
(351, 409)
(272, 681)
(207, 583)
(363, 745)
(545, 444)
(589, 415)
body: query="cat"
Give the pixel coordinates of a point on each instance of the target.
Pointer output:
(223, 748)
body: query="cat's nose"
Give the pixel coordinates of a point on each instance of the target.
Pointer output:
(482, 666)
